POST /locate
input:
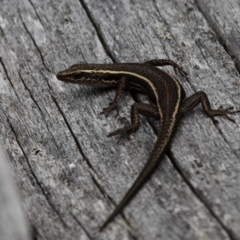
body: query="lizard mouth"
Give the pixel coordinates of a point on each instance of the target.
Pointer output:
(60, 76)
(66, 77)
(63, 77)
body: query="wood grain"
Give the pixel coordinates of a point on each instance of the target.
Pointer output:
(70, 175)
(13, 224)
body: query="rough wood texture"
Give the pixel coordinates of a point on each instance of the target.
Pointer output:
(70, 175)
(13, 223)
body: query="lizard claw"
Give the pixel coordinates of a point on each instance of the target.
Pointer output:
(222, 112)
(180, 70)
(112, 106)
(124, 132)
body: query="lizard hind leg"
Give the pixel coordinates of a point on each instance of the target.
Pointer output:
(136, 110)
(201, 97)
(166, 62)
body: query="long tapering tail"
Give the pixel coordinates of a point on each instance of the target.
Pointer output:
(158, 151)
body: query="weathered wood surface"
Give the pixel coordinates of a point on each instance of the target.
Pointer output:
(13, 224)
(70, 175)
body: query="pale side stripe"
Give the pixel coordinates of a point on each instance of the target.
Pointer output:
(133, 74)
(152, 86)
(178, 103)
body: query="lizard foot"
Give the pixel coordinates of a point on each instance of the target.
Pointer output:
(124, 132)
(221, 112)
(112, 106)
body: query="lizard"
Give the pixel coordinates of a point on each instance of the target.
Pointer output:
(168, 104)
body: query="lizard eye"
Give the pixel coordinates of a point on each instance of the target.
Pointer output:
(78, 76)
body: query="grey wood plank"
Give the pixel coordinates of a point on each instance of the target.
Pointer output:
(223, 17)
(69, 173)
(218, 182)
(13, 224)
(210, 69)
(47, 161)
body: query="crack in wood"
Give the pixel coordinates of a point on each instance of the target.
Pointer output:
(75, 138)
(221, 39)
(199, 195)
(35, 10)
(109, 198)
(81, 225)
(40, 110)
(34, 42)
(8, 78)
(98, 31)
(35, 176)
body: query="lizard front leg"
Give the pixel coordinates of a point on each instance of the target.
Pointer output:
(136, 110)
(114, 105)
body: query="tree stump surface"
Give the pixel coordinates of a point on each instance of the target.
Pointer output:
(69, 175)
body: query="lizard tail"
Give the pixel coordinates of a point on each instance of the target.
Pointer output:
(158, 151)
